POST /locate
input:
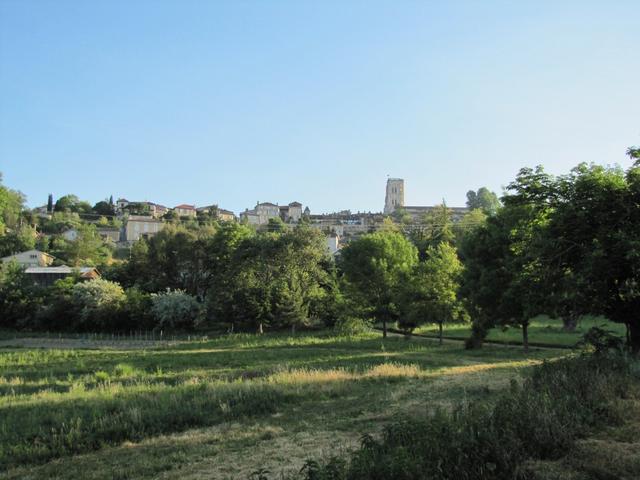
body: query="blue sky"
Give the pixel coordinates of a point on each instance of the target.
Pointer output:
(238, 101)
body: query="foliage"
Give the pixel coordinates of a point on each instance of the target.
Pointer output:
(484, 200)
(433, 229)
(71, 203)
(98, 304)
(431, 292)
(541, 419)
(373, 267)
(18, 240)
(602, 341)
(348, 325)
(19, 297)
(11, 207)
(175, 309)
(87, 249)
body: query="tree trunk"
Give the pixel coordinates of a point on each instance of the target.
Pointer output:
(293, 329)
(260, 331)
(525, 337)
(440, 333)
(384, 328)
(634, 336)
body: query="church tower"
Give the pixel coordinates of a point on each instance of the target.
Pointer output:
(395, 195)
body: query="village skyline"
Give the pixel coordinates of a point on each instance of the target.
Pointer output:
(233, 103)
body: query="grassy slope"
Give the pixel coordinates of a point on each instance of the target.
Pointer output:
(224, 408)
(542, 330)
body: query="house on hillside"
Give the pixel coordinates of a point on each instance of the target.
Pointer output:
(221, 213)
(46, 276)
(226, 215)
(185, 210)
(71, 234)
(30, 258)
(139, 226)
(291, 213)
(261, 213)
(112, 234)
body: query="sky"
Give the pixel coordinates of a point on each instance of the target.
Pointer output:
(234, 102)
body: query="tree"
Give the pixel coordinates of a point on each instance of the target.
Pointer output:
(87, 249)
(484, 199)
(431, 292)
(435, 227)
(18, 240)
(591, 248)
(104, 208)
(19, 297)
(67, 203)
(50, 203)
(11, 207)
(373, 267)
(503, 281)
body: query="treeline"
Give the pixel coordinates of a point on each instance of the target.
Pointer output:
(565, 246)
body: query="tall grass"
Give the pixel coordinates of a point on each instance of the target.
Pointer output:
(540, 419)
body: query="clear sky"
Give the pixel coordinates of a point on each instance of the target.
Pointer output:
(232, 102)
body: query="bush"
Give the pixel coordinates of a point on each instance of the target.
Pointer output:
(19, 297)
(349, 325)
(175, 309)
(601, 341)
(98, 304)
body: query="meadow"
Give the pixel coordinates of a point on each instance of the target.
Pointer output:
(227, 407)
(542, 331)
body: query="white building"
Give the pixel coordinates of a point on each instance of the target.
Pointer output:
(333, 243)
(139, 226)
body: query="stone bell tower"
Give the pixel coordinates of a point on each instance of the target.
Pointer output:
(395, 195)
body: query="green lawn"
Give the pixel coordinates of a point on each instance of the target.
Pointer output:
(543, 330)
(226, 407)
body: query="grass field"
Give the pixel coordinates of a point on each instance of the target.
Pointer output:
(227, 407)
(542, 330)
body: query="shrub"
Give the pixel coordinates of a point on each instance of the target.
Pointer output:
(98, 304)
(349, 325)
(175, 309)
(601, 341)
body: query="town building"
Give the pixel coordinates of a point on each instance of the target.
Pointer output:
(226, 215)
(395, 195)
(70, 234)
(30, 258)
(139, 226)
(185, 210)
(109, 234)
(291, 213)
(261, 213)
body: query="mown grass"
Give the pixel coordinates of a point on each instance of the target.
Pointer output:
(277, 398)
(543, 330)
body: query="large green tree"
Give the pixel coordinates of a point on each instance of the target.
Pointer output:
(373, 267)
(431, 292)
(483, 199)
(503, 282)
(11, 207)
